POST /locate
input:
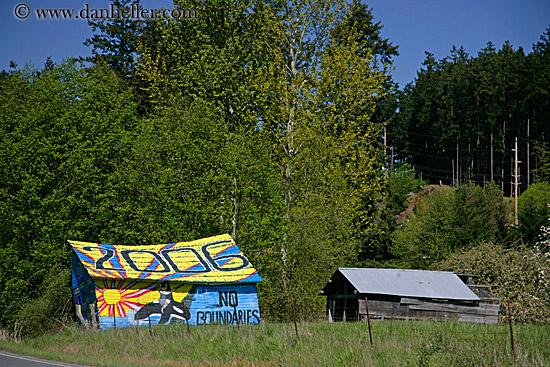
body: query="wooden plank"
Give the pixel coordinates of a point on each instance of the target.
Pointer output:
(378, 305)
(416, 301)
(383, 308)
(93, 315)
(483, 309)
(410, 301)
(476, 286)
(341, 296)
(485, 313)
(489, 299)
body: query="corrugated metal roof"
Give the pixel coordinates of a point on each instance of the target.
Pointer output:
(409, 283)
(209, 260)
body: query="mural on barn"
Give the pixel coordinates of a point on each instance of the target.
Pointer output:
(202, 282)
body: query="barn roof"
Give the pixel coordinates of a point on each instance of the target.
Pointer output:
(408, 283)
(208, 260)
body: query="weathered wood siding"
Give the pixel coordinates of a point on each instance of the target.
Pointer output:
(416, 308)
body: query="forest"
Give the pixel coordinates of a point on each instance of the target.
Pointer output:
(279, 124)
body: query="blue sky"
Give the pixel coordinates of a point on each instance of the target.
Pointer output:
(415, 25)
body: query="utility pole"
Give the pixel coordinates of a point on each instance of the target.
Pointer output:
(492, 180)
(391, 165)
(385, 143)
(457, 165)
(385, 156)
(502, 161)
(516, 184)
(528, 153)
(453, 165)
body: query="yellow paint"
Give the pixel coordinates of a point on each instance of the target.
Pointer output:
(149, 297)
(180, 293)
(111, 296)
(124, 296)
(185, 255)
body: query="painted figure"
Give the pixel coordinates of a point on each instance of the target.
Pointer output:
(166, 307)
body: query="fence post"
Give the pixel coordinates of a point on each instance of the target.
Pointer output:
(368, 319)
(294, 315)
(511, 330)
(93, 315)
(149, 318)
(237, 317)
(80, 317)
(186, 317)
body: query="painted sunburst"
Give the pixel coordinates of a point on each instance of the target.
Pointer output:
(116, 297)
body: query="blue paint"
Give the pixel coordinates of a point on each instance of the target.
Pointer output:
(83, 288)
(207, 304)
(206, 307)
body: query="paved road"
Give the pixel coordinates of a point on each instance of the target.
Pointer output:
(16, 360)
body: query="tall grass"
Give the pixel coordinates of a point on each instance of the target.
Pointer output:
(396, 343)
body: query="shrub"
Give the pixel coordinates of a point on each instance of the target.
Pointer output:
(533, 210)
(445, 220)
(519, 275)
(52, 310)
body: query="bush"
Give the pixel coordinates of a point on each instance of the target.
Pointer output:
(427, 234)
(519, 275)
(446, 220)
(533, 210)
(52, 310)
(401, 185)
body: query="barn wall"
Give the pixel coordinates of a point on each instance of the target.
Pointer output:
(223, 304)
(83, 288)
(440, 310)
(137, 302)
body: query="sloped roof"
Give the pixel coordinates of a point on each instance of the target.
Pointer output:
(208, 260)
(409, 283)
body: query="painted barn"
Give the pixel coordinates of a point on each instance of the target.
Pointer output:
(205, 281)
(407, 294)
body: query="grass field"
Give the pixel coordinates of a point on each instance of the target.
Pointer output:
(395, 343)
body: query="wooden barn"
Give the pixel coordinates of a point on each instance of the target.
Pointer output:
(200, 282)
(407, 294)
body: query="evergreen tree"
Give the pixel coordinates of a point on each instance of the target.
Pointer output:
(447, 220)
(458, 121)
(117, 40)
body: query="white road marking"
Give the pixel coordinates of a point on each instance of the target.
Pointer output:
(35, 360)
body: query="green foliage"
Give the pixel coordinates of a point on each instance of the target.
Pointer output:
(174, 177)
(52, 310)
(447, 220)
(401, 187)
(543, 167)
(116, 42)
(401, 184)
(533, 210)
(480, 214)
(294, 94)
(518, 274)
(60, 143)
(360, 19)
(428, 234)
